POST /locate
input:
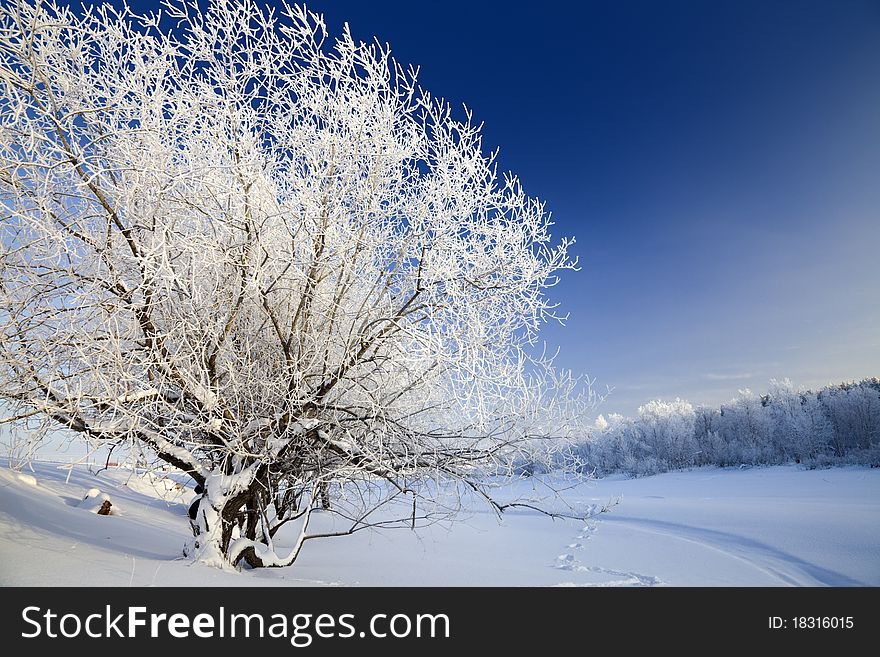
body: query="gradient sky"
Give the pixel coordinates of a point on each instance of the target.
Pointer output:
(718, 163)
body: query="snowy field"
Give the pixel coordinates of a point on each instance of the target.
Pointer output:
(772, 526)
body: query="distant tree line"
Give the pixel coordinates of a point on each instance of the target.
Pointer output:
(836, 425)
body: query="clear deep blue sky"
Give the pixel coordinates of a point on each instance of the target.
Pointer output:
(718, 163)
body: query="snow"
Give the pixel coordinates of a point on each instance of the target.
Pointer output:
(772, 526)
(137, 396)
(27, 479)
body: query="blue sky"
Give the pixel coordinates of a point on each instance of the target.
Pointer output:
(718, 163)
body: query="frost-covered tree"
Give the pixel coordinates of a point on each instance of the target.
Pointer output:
(668, 429)
(706, 436)
(266, 259)
(854, 412)
(746, 426)
(789, 425)
(800, 429)
(817, 428)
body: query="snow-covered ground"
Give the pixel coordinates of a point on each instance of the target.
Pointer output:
(713, 527)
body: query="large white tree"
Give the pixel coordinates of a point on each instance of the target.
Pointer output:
(269, 260)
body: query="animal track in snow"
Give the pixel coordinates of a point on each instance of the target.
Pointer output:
(586, 532)
(629, 578)
(568, 561)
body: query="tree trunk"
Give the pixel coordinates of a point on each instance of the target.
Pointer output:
(209, 538)
(217, 517)
(324, 490)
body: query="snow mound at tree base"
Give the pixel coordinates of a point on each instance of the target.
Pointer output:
(99, 503)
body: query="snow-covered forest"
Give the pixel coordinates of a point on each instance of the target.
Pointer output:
(836, 425)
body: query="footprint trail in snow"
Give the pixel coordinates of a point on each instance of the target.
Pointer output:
(569, 562)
